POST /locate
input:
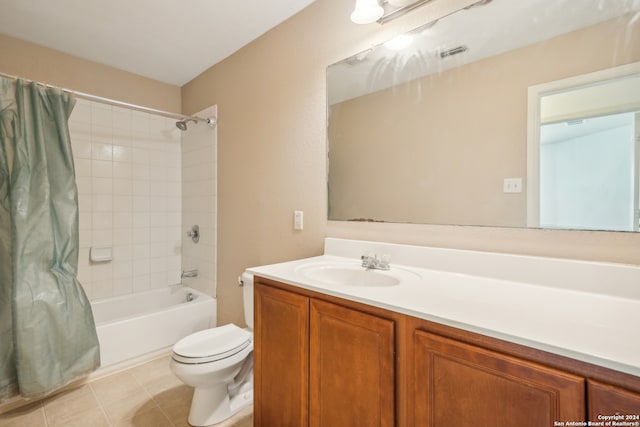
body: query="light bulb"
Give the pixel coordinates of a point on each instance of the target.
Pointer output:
(366, 12)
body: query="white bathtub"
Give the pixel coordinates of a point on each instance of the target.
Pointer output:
(133, 326)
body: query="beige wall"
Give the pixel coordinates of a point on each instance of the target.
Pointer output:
(437, 149)
(271, 99)
(34, 62)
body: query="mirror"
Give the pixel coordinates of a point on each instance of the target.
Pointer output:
(464, 120)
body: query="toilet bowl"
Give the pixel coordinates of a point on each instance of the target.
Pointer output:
(218, 363)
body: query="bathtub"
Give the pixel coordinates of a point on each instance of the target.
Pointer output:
(140, 325)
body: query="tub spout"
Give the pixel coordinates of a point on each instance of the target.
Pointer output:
(189, 273)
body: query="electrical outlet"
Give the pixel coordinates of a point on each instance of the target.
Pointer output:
(512, 185)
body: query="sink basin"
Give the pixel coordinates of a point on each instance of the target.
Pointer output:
(353, 275)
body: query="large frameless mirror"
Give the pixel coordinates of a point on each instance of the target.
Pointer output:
(507, 113)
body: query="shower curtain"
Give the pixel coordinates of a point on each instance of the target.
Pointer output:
(47, 333)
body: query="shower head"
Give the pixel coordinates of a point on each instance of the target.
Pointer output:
(182, 124)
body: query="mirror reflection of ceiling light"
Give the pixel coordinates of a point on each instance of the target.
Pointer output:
(399, 42)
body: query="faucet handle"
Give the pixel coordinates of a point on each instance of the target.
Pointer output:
(384, 261)
(367, 259)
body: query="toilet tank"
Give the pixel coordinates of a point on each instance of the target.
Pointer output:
(247, 294)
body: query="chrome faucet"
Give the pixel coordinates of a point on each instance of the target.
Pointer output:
(373, 261)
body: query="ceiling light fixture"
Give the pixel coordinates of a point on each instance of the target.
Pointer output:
(367, 12)
(383, 11)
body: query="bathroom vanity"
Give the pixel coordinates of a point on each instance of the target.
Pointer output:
(442, 341)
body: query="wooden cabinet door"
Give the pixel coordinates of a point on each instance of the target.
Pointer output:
(281, 347)
(352, 370)
(605, 399)
(457, 384)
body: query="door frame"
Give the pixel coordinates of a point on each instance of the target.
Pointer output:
(534, 96)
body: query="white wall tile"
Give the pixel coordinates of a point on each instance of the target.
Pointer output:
(102, 203)
(123, 253)
(102, 289)
(140, 203)
(102, 185)
(102, 221)
(81, 113)
(85, 238)
(157, 219)
(157, 235)
(81, 148)
(123, 286)
(102, 237)
(85, 220)
(140, 267)
(122, 170)
(122, 204)
(123, 219)
(122, 269)
(141, 251)
(83, 167)
(140, 188)
(101, 116)
(122, 154)
(122, 120)
(101, 169)
(130, 183)
(122, 186)
(140, 155)
(140, 171)
(101, 151)
(157, 251)
(122, 236)
(141, 283)
(141, 235)
(101, 271)
(157, 204)
(158, 280)
(198, 183)
(141, 219)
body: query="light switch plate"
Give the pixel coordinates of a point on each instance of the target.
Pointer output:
(298, 220)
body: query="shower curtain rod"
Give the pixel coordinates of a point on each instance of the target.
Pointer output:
(108, 101)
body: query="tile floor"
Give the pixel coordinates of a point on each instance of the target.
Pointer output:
(147, 395)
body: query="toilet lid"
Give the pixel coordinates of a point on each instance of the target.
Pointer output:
(211, 344)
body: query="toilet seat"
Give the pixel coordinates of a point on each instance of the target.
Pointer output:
(211, 345)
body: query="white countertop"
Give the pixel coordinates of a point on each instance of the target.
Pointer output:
(594, 327)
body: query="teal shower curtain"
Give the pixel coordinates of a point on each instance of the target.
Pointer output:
(47, 333)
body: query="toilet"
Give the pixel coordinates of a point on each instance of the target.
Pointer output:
(218, 363)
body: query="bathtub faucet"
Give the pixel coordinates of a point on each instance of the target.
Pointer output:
(189, 273)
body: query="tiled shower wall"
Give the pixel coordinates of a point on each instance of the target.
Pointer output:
(128, 171)
(199, 202)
